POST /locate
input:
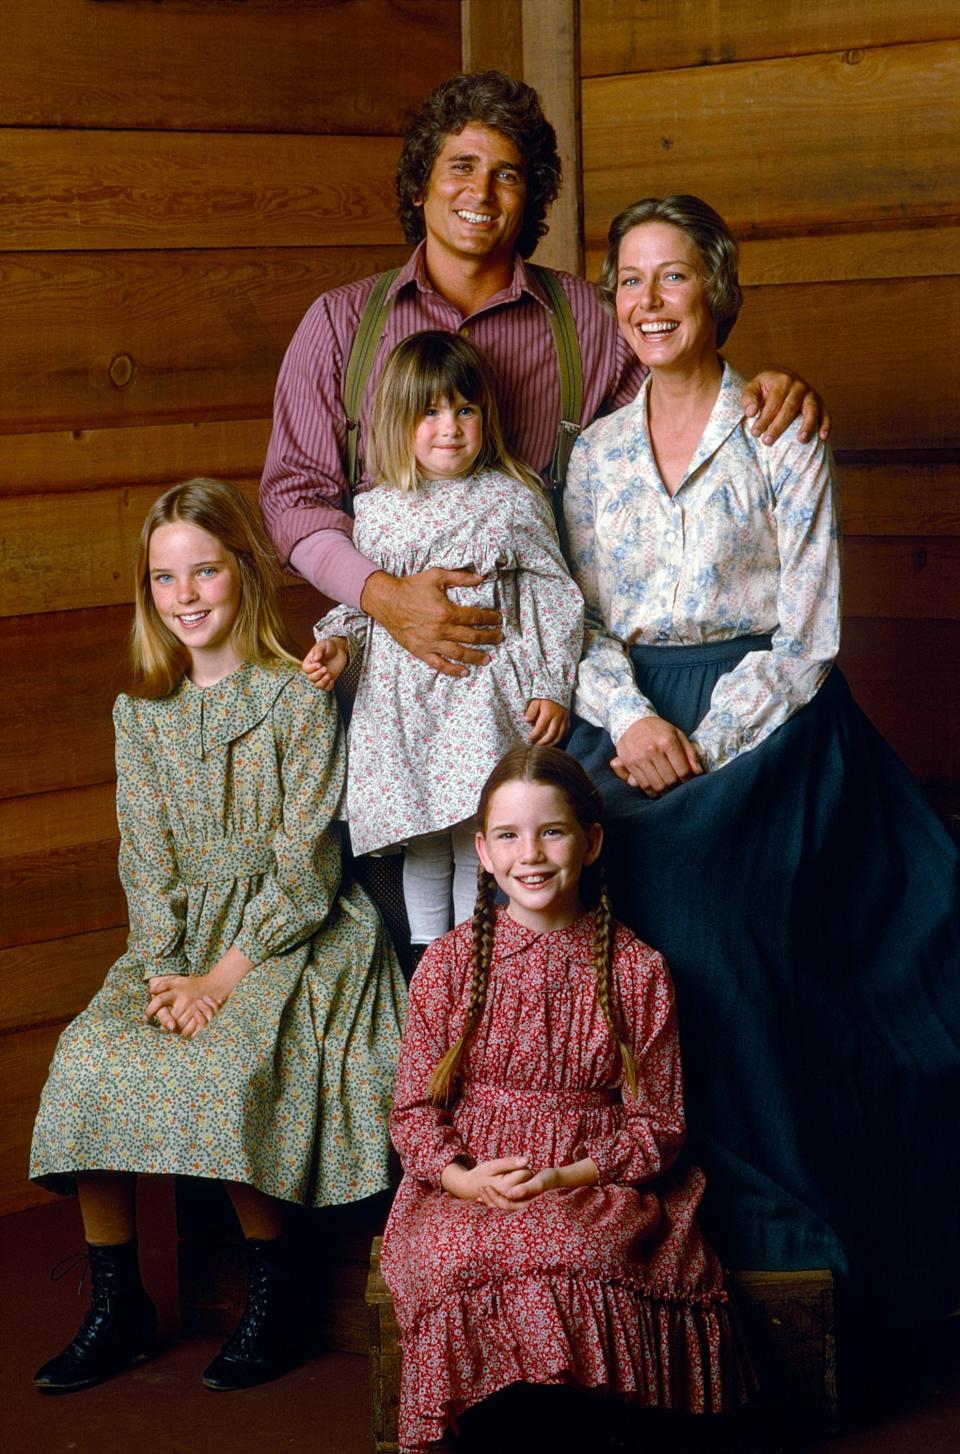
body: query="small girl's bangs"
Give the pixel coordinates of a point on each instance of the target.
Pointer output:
(442, 379)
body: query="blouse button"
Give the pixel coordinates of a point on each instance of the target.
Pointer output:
(670, 536)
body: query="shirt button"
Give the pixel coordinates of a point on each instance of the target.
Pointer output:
(670, 536)
(464, 332)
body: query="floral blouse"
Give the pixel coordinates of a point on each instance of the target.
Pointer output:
(749, 544)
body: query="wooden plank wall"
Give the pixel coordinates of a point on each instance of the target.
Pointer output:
(179, 182)
(826, 135)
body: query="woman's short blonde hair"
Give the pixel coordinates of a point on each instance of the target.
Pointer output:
(709, 234)
(159, 659)
(427, 369)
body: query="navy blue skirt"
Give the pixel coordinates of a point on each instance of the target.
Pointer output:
(806, 899)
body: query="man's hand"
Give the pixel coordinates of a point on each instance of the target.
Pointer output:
(548, 721)
(419, 614)
(774, 399)
(655, 756)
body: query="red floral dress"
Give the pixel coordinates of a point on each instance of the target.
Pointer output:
(609, 1287)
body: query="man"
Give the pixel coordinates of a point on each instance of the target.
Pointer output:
(478, 171)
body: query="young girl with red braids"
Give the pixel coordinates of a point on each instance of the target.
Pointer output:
(543, 1246)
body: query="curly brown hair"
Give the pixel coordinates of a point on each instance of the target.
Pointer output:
(487, 98)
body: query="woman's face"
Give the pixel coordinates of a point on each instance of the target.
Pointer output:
(662, 308)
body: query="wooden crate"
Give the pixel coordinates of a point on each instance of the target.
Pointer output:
(788, 1322)
(384, 1357)
(787, 1319)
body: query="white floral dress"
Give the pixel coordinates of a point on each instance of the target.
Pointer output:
(422, 744)
(225, 797)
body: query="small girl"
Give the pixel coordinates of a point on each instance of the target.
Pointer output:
(421, 743)
(538, 1236)
(249, 1033)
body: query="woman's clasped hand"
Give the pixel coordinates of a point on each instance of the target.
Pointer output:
(655, 756)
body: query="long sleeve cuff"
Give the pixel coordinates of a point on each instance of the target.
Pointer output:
(329, 561)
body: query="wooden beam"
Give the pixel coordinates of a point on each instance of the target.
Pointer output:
(551, 65)
(662, 35)
(89, 190)
(340, 66)
(783, 145)
(491, 36)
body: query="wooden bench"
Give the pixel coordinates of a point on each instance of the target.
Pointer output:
(787, 1319)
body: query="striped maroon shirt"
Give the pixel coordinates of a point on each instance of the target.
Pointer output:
(304, 494)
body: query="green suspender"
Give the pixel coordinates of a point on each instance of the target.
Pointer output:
(375, 314)
(571, 374)
(564, 331)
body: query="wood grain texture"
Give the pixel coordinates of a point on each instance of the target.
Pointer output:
(90, 339)
(24, 1059)
(162, 454)
(135, 189)
(341, 66)
(551, 53)
(53, 981)
(887, 387)
(60, 892)
(781, 144)
(902, 674)
(491, 36)
(73, 703)
(899, 495)
(887, 251)
(47, 821)
(905, 576)
(660, 35)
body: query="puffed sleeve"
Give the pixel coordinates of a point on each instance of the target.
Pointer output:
(295, 900)
(551, 606)
(156, 897)
(767, 687)
(607, 694)
(652, 1130)
(422, 1132)
(345, 621)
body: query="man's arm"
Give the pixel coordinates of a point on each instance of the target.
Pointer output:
(304, 489)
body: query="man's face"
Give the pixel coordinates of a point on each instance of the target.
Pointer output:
(475, 198)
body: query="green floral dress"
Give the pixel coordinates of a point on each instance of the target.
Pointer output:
(225, 797)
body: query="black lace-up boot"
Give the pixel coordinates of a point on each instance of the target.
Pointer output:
(120, 1327)
(258, 1348)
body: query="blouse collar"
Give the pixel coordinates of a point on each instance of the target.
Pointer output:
(217, 715)
(725, 416)
(513, 938)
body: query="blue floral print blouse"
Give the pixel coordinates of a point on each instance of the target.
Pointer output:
(749, 544)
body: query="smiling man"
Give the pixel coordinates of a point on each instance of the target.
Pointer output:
(478, 172)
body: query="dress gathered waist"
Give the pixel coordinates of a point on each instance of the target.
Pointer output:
(480, 1093)
(220, 860)
(700, 652)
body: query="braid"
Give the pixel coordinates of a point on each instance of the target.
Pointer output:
(603, 964)
(444, 1072)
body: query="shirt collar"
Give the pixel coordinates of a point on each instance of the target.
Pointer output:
(414, 272)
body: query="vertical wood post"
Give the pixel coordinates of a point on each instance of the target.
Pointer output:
(551, 65)
(539, 41)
